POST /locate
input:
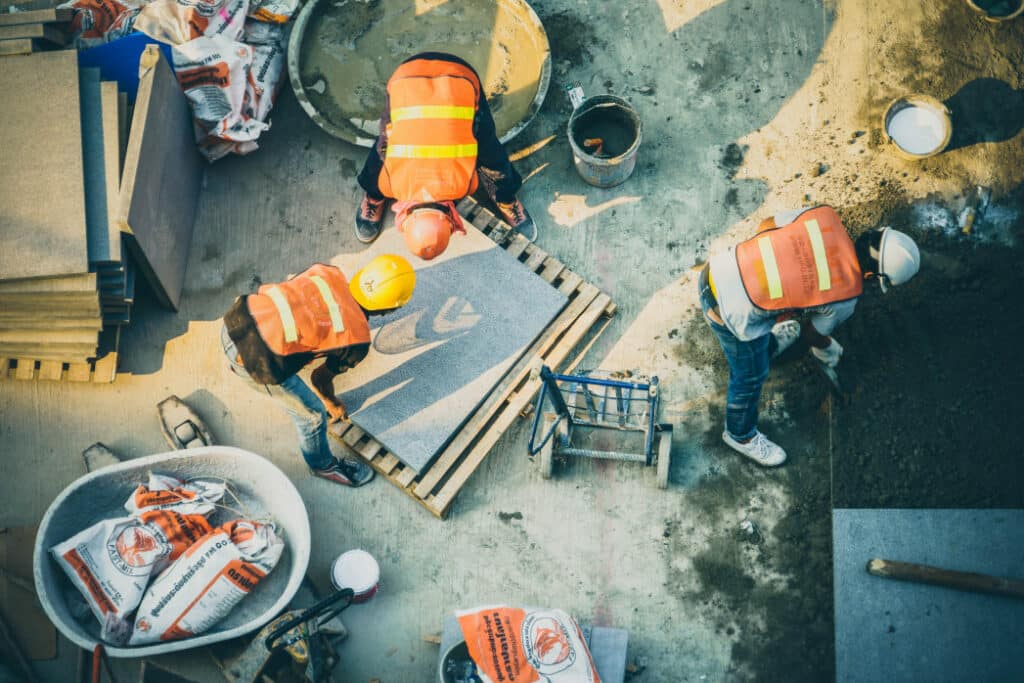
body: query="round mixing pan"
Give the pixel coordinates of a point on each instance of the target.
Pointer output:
(342, 52)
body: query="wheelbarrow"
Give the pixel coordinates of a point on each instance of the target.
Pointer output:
(599, 400)
(262, 490)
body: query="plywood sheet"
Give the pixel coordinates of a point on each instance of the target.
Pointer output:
(890, 630)
(42, 199)
(111, 162)
(161, 180)
(96, 214)
(475, 311)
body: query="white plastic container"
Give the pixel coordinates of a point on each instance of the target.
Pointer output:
(356, 569)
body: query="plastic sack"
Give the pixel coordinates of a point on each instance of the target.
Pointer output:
(273, 11)
(179, 21)
(95, 22)
(206, 582)
(168, 493)
(111, 562)
(511, 644)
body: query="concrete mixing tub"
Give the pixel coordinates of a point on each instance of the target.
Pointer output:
(263, 490)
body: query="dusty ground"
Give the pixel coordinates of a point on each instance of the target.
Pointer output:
(749, 107)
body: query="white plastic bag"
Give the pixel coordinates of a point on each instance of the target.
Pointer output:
(179, 21)
(164, 492)
(207, 581)
(95, 22)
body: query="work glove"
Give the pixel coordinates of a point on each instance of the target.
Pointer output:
(786, 333)
(829, 355)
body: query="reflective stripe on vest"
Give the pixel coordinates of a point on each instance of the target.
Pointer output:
(432, 151)
(433, 111)
(809, 262)
(313, 312)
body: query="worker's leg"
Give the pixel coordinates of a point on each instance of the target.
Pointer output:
(303, 406)
(370, 214)
(369, 176)
(500, 177)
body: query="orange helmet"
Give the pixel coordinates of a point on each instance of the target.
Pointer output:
(427, 231)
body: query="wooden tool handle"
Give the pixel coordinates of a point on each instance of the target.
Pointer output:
(965, 581)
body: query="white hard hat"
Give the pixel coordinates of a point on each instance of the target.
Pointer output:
(898, 258)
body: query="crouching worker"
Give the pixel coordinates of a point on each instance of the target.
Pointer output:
(799, 264)
(269, 336)
(436, 133)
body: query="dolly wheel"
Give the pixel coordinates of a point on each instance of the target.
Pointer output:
(547, 451)
(664, 457)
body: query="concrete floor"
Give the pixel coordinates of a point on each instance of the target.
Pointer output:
(731, 93)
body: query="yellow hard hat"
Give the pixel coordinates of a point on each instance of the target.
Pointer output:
(385, 282)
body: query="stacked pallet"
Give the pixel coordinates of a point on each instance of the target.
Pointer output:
(64, 272)
(23, 33)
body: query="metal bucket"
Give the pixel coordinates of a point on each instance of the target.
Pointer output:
(616, 124)
(998, 10)
(455, 657)
(918, 126)
(263, 490)
(362, 127)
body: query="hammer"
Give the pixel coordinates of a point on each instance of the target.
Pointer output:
(964, 581)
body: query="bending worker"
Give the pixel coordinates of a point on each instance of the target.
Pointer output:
(437, 132)
(801, 263)
(270, 335)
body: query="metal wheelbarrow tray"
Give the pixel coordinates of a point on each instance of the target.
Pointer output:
(263, 490)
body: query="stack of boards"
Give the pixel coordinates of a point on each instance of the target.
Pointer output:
(23, 33)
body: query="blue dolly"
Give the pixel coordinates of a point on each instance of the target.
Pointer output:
(599, 400)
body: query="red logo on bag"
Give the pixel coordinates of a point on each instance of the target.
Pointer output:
(143, 625)
(133, 545)
(546, 645)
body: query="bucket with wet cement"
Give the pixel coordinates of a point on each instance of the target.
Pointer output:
(918, 126)
(998, 10)
(605, 134)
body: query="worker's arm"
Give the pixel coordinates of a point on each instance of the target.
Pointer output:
(816, 332)
(322, 380)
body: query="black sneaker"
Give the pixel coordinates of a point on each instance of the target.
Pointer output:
(369, 219)
(516, 215)
(347, 472)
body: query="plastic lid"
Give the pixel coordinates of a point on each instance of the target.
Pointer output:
(355, 569)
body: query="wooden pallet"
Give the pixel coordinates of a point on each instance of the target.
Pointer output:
(100, 371)
(436, 487)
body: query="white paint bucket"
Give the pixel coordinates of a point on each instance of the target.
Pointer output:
(356, 569)
(918, 126)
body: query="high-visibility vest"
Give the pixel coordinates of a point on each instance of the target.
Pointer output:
(431, 150)
(809, 262)
(311, 312)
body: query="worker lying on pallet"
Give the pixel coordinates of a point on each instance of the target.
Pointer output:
(800, 263)
(437, 133)
(270, 335)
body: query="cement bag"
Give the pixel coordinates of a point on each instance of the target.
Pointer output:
(94, 22)
(179, 21)
(214, 73)
(510, 644)
(168, 493)
(111, 562)
(207, 581)
(273, 11)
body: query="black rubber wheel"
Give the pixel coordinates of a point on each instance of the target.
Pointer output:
(664, 458)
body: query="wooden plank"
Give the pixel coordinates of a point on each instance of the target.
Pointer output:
(496, 398)
(533, 263)
(39, 16)
(352, 435)
(19, 46)
(105, 370)
(518, 246)
(161, 180)
(122, 131)
(110, 128)
(50, 370)
(51, 34)
(79, 372)
(405, 477)
(72, 336)
(25, 369)
(552, 269)
(84, 282)
(5, 367)
(473, 459)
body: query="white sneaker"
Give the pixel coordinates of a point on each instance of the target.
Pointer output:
(785, 333)
(760, 449)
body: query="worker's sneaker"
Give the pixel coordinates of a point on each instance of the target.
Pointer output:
(516, 215)
(760, 449)
(347, 472)
(785, 333)
(369, 219)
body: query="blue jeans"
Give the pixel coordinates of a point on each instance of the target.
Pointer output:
(748, 368)
(303, 406)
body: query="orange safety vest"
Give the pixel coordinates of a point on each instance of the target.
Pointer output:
(809, 262)
(431, 150)
(311, 312)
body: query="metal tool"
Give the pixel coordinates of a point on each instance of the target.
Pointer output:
(948, 578)
(181, 426)
(599, 400)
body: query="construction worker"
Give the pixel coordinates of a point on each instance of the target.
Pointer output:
(799, 264)
(270, 335)
(437, 133)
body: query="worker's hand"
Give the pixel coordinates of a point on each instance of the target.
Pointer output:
(336, 411)
(829, 355)
(323, 384)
